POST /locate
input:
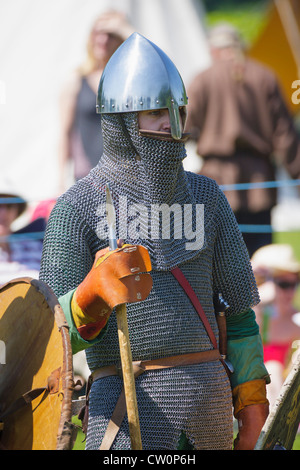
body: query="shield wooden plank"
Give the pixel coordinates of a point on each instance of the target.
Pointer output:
(281, 427)
(36, 376)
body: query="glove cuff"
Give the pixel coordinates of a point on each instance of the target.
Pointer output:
(249, 393)
(86, 325)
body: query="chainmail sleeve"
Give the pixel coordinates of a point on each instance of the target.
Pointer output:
(69, 249)
(232, 270)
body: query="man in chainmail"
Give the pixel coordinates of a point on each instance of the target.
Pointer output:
(180, 406)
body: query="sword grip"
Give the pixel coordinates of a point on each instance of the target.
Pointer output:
(113, 245)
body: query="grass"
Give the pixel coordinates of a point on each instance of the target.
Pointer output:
(296, 445)
(80, 440)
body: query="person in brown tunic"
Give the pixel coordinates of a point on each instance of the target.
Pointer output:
(243, 129)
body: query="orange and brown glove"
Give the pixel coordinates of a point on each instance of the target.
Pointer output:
(117, 277)
(251, 409)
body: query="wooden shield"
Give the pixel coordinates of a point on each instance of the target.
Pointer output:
(36, 376)
(281, 427)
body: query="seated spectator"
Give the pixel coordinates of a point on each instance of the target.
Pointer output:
(277, 273)
(20, 253)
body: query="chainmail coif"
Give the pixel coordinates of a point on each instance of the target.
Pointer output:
(194, 399)
(147, 172)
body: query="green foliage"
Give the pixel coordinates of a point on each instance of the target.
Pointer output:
(296, 445)
(248, 17)
(80, 440)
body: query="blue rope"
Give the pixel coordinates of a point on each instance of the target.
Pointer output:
(261, 185)
(225, 187)
(244, 228)
(23, 236)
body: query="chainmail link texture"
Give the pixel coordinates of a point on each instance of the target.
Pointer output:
(195, 399)
(148, 172)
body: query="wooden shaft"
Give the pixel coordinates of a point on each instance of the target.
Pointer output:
(128, 378)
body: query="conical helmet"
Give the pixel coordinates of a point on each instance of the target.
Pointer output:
(139, 76)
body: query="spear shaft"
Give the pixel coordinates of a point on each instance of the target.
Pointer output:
(124, 342)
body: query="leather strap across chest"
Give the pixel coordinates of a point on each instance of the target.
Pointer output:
(178, 274)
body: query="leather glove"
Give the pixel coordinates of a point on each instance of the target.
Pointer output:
(117, 277)
(251, 409)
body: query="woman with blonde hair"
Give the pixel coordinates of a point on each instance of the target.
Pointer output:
(80, 139)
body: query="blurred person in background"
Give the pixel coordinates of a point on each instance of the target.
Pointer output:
(80, 140)
(243, 128)
(278, 274)
(20, 255)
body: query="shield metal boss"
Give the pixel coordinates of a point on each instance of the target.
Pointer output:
(36, 376)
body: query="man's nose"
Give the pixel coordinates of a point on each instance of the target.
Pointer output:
(166, 125)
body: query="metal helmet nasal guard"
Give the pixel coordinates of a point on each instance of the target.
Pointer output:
(139, 76)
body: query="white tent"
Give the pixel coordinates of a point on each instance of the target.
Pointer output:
(41, 42)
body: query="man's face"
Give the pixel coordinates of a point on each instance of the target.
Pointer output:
(157, 120)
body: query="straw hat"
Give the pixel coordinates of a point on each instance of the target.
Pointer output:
(274, 258)
(7, 190)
